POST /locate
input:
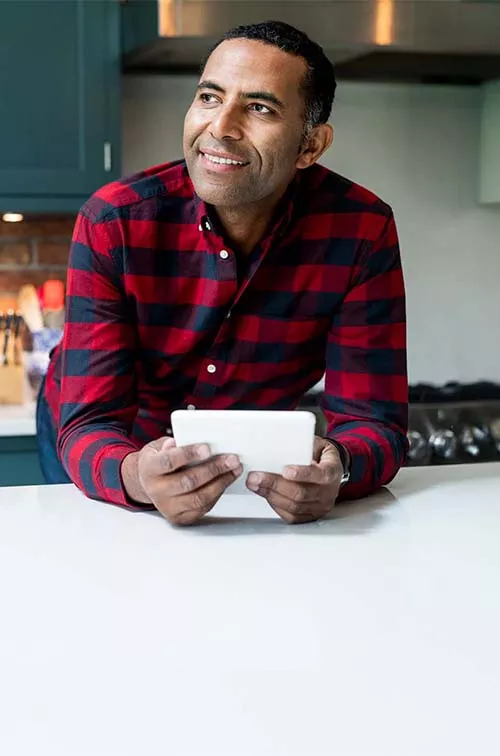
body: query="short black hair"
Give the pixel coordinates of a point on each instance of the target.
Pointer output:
(318, 85)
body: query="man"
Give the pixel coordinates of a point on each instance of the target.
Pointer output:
(232, 279)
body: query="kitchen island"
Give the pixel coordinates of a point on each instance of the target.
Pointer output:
(18, 450)
(17, 420)
(375, 631)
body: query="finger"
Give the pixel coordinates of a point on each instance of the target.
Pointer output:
(295, 512)
(263, 483)
(193, 478)
(322, 473)
(192, 507)
(170, 457)
(298, 519)
(165, 442)
(322, 447)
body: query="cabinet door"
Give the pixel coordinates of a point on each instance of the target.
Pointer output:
(59, 96)
(19, 465)
(489, 146)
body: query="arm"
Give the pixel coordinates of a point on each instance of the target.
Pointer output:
(366, 387)
(98, 401)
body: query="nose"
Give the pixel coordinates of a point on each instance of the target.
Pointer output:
(226, 123)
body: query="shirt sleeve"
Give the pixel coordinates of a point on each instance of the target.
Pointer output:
(366, 386)
(98, 401)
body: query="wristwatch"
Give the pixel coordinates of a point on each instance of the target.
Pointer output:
(345, 459)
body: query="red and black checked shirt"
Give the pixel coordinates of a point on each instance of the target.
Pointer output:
(160, 316)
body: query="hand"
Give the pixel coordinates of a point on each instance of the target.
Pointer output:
(158, 475)
(303, 493)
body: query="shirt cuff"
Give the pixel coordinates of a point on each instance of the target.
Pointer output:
(108, 465)
(344, 453)
(357, 453)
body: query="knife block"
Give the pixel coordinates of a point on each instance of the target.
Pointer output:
(12, 380)
(11, 384)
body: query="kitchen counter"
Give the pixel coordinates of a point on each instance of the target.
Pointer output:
(373, 632)
(18, 420)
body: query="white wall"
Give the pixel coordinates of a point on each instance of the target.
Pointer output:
(416, 146)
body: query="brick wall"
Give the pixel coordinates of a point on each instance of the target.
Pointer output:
(33, 251)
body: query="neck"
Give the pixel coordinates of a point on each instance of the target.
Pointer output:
(245, 225)
(243, 228)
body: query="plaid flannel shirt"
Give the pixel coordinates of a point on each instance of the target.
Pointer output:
(161, 315)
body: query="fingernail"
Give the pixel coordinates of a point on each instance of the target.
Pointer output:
(290, 472)
(254, 480)
(202, 451)
(231, 462)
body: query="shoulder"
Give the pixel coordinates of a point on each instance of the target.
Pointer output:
(136, 196)
(349, 205)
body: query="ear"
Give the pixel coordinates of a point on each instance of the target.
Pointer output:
(318, 141)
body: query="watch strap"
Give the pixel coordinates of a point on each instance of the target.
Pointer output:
(345, 459)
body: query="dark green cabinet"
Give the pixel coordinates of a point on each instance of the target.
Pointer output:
(489, 144)
(19, 465)
(59, 100)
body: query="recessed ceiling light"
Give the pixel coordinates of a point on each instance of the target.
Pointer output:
(12, 217)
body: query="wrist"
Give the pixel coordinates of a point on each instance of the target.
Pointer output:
(345, 459)
(129, 471)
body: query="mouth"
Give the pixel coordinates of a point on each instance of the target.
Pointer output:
(220, 164)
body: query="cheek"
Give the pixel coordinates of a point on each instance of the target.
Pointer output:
(194, 123)
(281, 155)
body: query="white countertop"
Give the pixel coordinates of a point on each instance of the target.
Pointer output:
(18, 419)
(374, 632)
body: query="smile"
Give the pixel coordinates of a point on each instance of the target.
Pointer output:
(222, 163)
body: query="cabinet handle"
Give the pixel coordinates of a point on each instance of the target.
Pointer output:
(107, 157)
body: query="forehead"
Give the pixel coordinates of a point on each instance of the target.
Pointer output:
(251, 66)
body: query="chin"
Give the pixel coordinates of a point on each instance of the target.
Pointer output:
(222, 196)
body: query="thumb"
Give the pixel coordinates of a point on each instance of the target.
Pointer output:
(159, 443)
(168, 443)
(156, 455)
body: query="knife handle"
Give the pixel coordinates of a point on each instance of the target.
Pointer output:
(7, 331)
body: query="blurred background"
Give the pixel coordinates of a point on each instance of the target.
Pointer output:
(94, 89)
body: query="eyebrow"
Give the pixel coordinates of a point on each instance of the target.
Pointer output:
(266, 96)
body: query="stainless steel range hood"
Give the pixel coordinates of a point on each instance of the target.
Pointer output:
(456, 41)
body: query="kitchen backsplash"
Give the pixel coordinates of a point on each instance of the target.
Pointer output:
(33, 251)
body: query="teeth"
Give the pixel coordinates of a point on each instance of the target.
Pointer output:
(223, 161)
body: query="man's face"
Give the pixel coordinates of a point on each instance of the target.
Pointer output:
(248, 106)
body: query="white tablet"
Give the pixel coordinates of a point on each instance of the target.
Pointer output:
(263, 440)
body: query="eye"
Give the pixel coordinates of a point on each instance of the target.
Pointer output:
(205, 97)
(262, 108)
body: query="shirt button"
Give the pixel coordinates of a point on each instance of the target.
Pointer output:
(200, 227)
(208, 227)
(211, 368)
(191, 407)
(224, 254)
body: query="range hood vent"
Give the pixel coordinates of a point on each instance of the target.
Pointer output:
(448, 41)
